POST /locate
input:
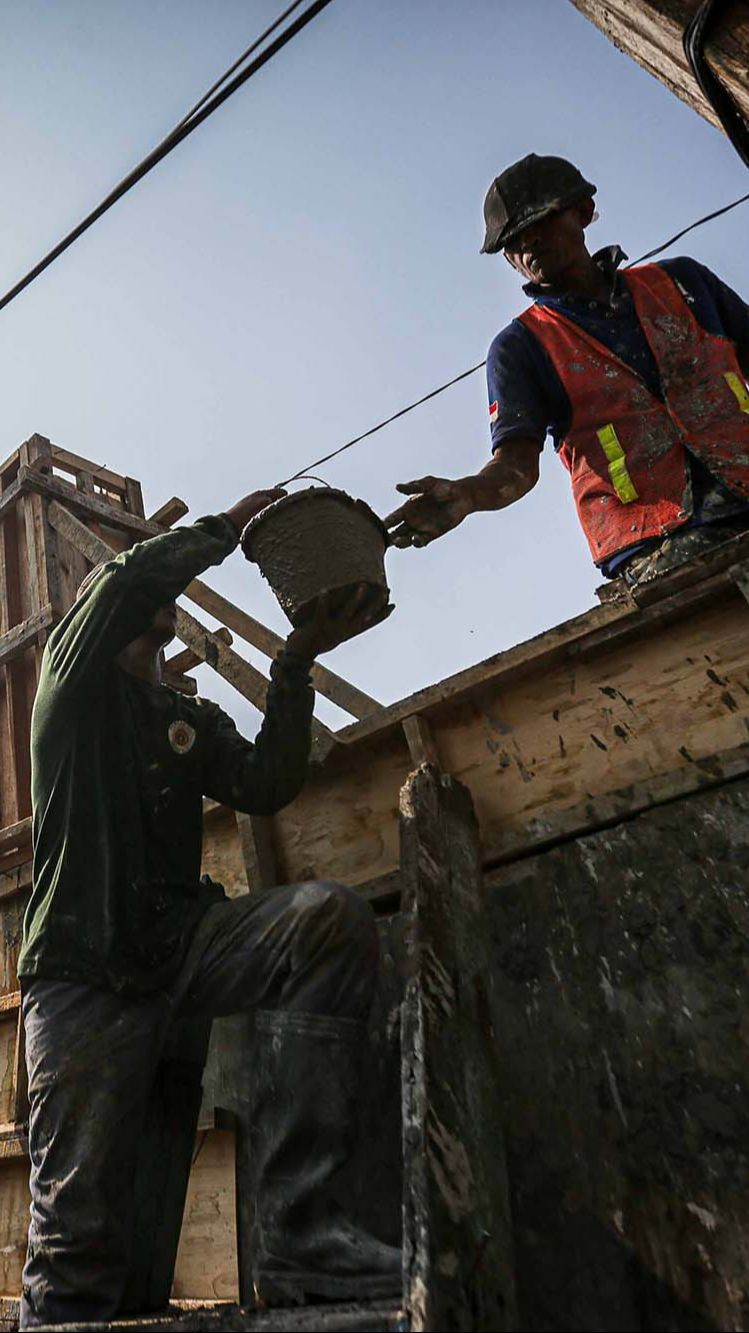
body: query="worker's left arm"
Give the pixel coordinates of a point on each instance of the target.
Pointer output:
(262, 777)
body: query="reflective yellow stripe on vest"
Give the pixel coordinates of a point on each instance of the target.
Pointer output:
(621, 480)
(738, 389)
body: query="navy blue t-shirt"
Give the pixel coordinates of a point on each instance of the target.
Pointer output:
(527, 398)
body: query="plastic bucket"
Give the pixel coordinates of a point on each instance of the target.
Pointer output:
(316, 541)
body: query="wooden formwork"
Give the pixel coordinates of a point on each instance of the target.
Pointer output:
(638, 702)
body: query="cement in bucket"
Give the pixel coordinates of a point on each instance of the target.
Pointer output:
(316, 541)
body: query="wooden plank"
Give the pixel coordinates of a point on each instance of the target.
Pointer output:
(458, 1253)
(420, 741)
(650, 31)
(25, 635)
(15, 835)
(187, 660)
(16, 780)
(73, 463)
(8, 1027)
(11, 1001)
(20, 1106)
(169, 513)
(14, 1220)
(326, 682)
(547, 830)
(532, 743)
(134, 497)
(206, 1267)
(89, 506)
(259, 850)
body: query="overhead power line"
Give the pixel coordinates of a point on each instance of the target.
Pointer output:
(317, 462)
(210, 102)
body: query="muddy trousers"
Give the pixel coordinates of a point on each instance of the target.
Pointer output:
(92, 1057)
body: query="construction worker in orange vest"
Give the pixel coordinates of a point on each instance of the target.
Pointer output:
(639, 376)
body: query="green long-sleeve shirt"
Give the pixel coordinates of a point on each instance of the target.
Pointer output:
(119, 769)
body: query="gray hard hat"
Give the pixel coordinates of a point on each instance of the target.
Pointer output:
(527, 191)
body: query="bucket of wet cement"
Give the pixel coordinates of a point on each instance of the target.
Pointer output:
(319, 540)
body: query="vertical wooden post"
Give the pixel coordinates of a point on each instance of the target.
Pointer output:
(458, 1261)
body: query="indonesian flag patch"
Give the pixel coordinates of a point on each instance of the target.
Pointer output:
(493, 411)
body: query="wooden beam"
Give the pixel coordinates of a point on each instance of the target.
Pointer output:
(650, 31)
(90, 506)
(15, 641)
(187, 659)
(170, 512)
(15, 835)
(420, 741)
(102, 476)
(326, 682)
(457, 1241)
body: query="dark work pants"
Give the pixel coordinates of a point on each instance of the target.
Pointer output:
(92, 1057)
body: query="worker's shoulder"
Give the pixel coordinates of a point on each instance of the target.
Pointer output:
(689, 273)
(206, 714)
(515, 340)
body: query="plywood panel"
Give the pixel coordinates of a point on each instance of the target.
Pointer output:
(222, 850)
(11, 928)
(14, 1224)
(584, 725)
(8, 1027)
(207, 1256)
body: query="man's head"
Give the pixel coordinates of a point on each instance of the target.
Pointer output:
(536, 211)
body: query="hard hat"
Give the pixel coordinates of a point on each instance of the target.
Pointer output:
(527, 191)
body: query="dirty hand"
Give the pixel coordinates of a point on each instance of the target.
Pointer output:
(339, 615)
(250, 505)
(437, 506)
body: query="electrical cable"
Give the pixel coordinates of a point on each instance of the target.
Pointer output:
(239, 61)
(722, 102)
(180, 132)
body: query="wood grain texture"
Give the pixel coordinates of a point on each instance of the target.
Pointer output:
(207, 1255)
(457, 1234)
(14, 1223)
(650, 31)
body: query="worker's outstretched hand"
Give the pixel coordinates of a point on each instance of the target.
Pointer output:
(339, 615)
(437, 506)
(252, 504)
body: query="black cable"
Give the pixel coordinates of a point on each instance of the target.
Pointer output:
(239, 61)
(433, 394)
(180, 132)
(723, 104)
(707, 218)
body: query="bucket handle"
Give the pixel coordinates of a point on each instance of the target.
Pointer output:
(308, 476)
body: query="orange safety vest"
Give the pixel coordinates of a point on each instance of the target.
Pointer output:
(626, 448)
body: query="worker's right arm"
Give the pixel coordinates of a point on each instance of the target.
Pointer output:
(437, 505)
(526, 400)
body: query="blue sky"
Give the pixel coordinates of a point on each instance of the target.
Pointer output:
(308, 262)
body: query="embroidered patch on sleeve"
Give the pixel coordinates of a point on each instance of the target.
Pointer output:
(181, 736)
(493, 411)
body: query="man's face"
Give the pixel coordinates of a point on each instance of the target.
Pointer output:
(164, 624)
(545, 250)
